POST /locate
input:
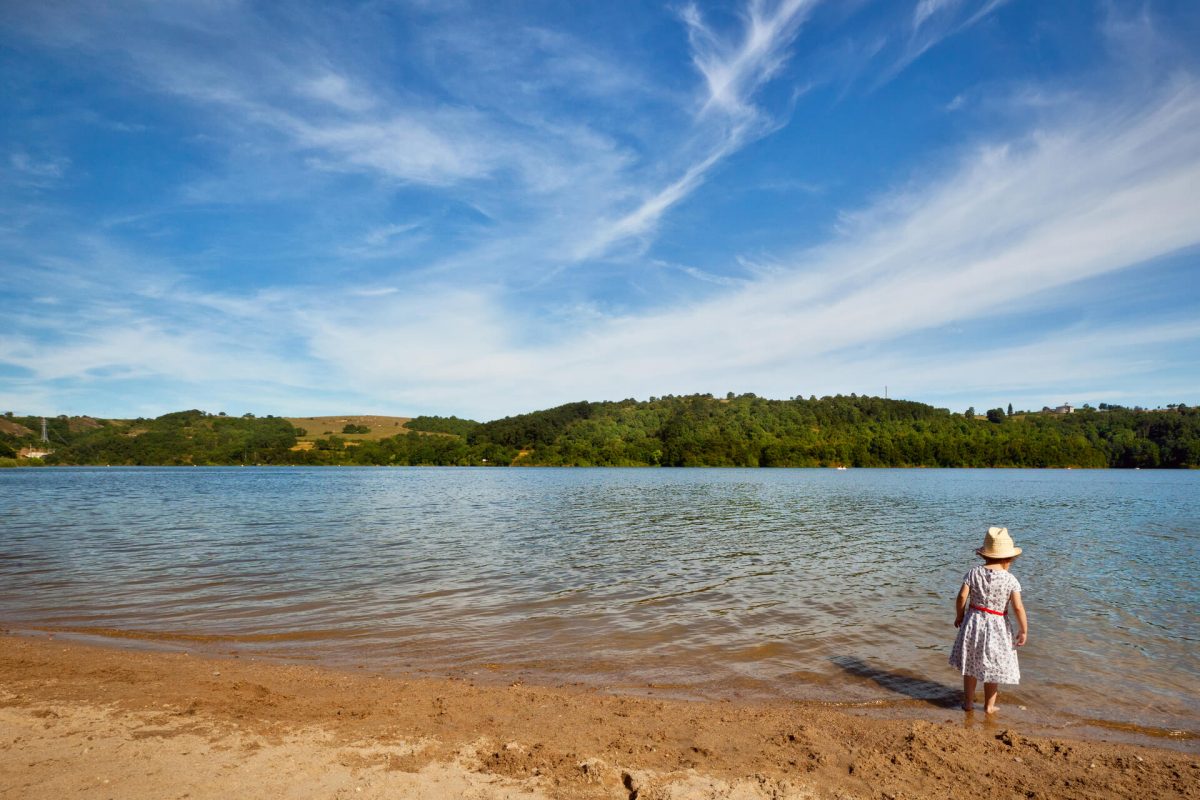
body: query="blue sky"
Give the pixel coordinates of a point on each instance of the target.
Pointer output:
(484, 209)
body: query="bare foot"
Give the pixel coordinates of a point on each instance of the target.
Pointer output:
(990, 709)
(968, 705)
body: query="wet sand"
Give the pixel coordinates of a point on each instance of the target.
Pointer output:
(79, 720)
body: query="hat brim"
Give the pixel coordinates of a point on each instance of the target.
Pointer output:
(1016, 551)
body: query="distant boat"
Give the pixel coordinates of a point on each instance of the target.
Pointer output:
(841, 467)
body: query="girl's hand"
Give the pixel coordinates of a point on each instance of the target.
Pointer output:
(958, 620)
(1020, 642)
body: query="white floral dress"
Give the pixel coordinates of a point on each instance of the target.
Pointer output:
(984, 647)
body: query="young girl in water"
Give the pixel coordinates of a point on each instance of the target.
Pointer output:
(984, 649)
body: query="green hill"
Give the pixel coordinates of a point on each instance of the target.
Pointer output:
(700, 430)
(183, 437)
(688, 431)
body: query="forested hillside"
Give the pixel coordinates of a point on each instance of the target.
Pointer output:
(183, 437)
(700, 430)
(695, 430)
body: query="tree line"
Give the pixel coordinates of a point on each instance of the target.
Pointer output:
(672, 431)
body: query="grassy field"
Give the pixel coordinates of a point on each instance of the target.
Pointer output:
(324, 427)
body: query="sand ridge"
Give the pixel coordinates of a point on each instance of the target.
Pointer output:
(73, 716)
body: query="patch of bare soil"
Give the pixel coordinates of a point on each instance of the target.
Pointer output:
(13, 428)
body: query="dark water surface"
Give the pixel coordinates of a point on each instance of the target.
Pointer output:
(807, 584)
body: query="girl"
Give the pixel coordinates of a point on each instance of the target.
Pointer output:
(983, 650)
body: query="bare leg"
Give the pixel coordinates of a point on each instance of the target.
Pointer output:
(968, 693)
(990, 692)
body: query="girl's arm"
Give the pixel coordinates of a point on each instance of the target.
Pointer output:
(1018, 608)
(960, 604)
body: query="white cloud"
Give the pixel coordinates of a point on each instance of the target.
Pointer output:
(38, 172)
(1078, 363)
(375, 292)
(385, 233)
(927, 8)
(734, 70)
(934, 21)
(702, 275)
(338, 91)
(145, 348)
(437, 148)
(642, 219)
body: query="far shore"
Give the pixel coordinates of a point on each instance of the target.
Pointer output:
(81, 720)
(38, 464)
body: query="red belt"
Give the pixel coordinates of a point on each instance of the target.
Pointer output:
(988, 610)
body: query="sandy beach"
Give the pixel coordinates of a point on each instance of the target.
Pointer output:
(80, 720)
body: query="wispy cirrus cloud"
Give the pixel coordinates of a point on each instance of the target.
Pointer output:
(934, 21)
(642, 219)
(584, 194)
(928, 8)
(336, 90)
(734, 68)
(272, 93)
(36, 172)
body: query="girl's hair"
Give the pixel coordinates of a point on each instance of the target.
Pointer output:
(987, 560)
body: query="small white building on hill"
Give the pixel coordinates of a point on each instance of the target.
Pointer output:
(1065, 408)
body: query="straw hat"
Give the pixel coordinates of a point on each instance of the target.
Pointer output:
(998, 544)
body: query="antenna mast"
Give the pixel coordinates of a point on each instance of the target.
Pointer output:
(45, 437)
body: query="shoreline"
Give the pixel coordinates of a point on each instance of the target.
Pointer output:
(12, 463)
(139, 724)
(933, 701)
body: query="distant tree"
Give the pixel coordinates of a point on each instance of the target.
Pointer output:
(220, 413)
(1010, 409)
(352, 428)
(453, 425)
(970, 413)
(995, 415)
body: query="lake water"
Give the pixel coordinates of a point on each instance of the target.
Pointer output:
(797, 584)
